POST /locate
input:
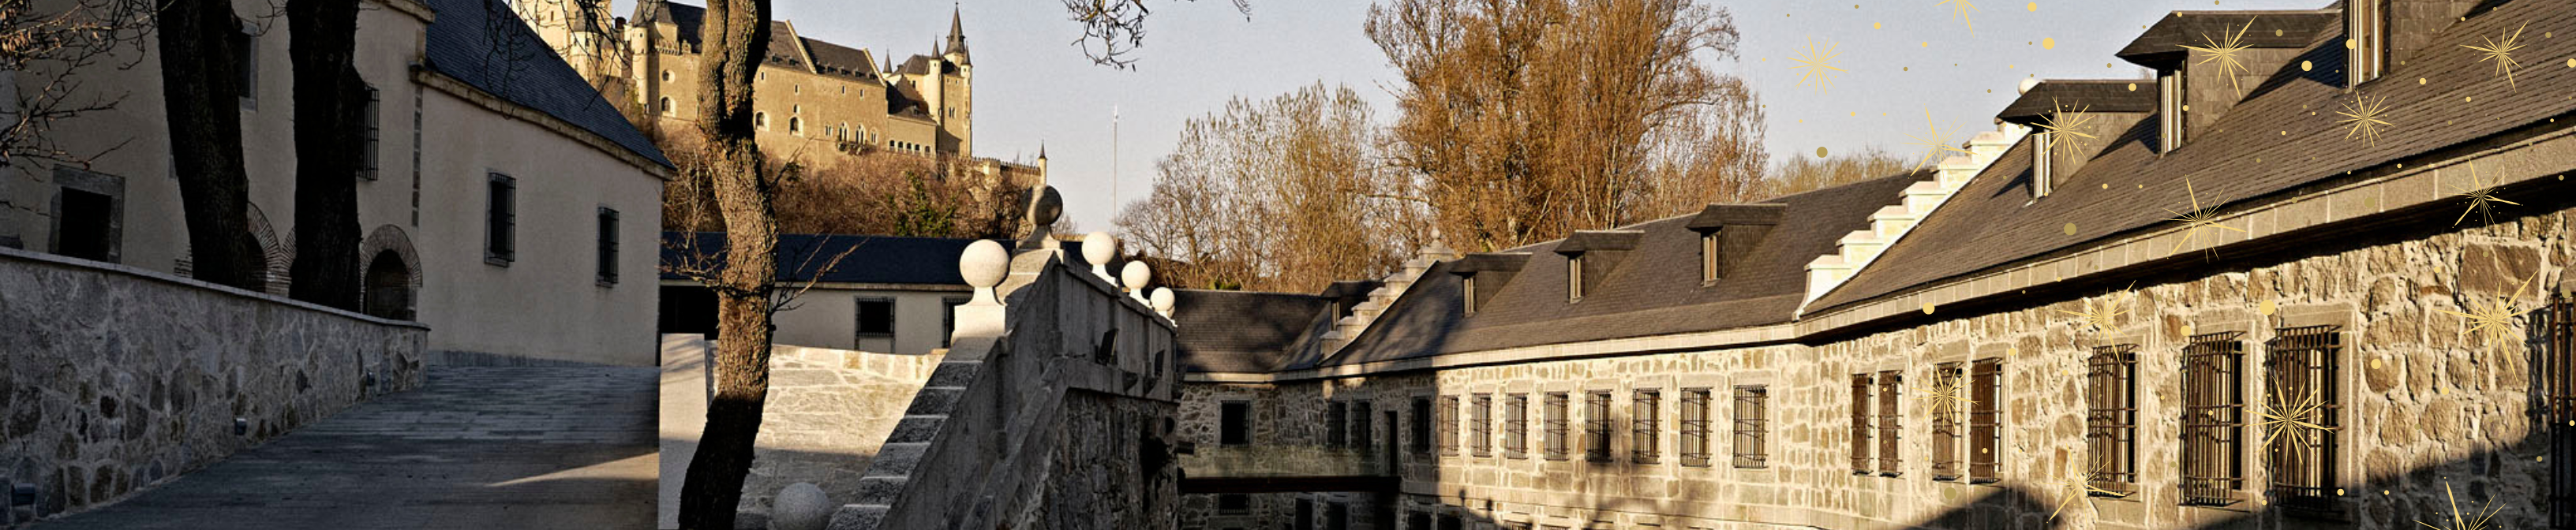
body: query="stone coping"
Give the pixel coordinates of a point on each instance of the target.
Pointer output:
(147, 274)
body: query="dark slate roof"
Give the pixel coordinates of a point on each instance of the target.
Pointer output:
(2242, 157)
(843, 61)
(870, 259)
(1239, 331)
(1656, 290)
(508, 60)
(2082, 95)
(2163, 42)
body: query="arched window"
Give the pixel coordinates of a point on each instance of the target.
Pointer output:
(388, 281)
(760, 120)
(666, 107)
(666, 76)
(795, 126)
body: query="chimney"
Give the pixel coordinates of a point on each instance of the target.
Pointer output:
(1728, 232)
(1483, 274)
(2072, 120)
(2207, 61)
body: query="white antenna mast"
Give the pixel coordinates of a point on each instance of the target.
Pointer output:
(1113, 159)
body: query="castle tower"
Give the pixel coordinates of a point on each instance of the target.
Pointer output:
(580, 31)
(957, 121)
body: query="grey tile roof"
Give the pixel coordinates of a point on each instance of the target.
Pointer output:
(2271, 146)
(483, 44)
(2164, 41)
(1239, 331)
(2082, 95)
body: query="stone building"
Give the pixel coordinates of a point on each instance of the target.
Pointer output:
(2193, 301)
(878, 294)
(494, 178)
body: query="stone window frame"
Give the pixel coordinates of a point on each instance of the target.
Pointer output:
(1244, 509)
(1645, 424)
(1763, 379)
(948, 318)
(1516, 425)
(2238, 327)
(1752, 446)
(1600, 428)
(1862, 395)
(370, 156)
(2346, 470)
(111, 186)
(1556, 414)
(246, 42)
(1891, 422)
(1480, 423)
(1448, 411)
(2136, 414)
(1986, 419)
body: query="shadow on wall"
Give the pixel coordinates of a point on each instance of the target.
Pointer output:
(827, 414)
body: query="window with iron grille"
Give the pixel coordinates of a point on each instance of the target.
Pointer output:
(1693, 444)
(2301, 364)
(1752, 426)
(2111, 419)
(1421, 442)
(1481, 430)
(1860, 396)
(1553, 426)
(1985, 421)
(1596, 426)
(1448, 425)
(1646, 417)
(1516, 426)
(1233, 504)
(2558, 376)
(1891, 424)
(2213, 419)
(1234, 423)
(1946, 377)
(1337, 417)
(1362, 436)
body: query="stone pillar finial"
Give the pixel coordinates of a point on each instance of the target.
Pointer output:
(1134, 278)
(1098, 248)
(1162, 301)
(984, 265)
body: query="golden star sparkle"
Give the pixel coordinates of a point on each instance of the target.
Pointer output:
(2362, 118)
(2105, 316)
(1961, 7)
(1817, 65)
(2481, 196)
(2079, 487)
(2065, 129)
(2502, 53)
(2463, 520)
(2197, 218)
(2229, 64)
(1947, 392)
(2291, 420)
(1934, 143)
(2492, 317)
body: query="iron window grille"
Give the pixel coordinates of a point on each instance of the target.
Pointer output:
(1985, 422)
(1337, 417)
(1752, 404)
(1421, 442)
(500, 220)
(1554, 425)
(1596, 426)
(1234, 423)
(607, 267)
(1363, 437)
(2558, 377)
(1945, 422)
(2302, 364)
(1516, 426)
(1891, 424)
(1448, 425)
(1647, 422)
(2213, 419)
(1481, 429)
(1860, 396)
(2111, 419)
(1695, 427)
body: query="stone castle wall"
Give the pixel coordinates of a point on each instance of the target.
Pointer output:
(114, 379)
(2425, 403)
(828, 413)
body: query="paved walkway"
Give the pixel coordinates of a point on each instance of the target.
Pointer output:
(476, 449)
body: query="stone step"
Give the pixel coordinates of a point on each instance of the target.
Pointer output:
(935, 400)
(955, 373)
(897, 459)
(858, 517)
(880, 490)
(916, 428)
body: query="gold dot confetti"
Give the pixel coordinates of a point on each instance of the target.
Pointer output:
(2033, 6)
(2419, 81)
(1927, 308)
(2048, 43)
(2186, 330)
(1820, 152)
(2374, 363)
(2269, 307)
(1875, 25)
(2306, 66)
(2069, 229)
(2571, 63)
(2349, 44)
(2133, 87)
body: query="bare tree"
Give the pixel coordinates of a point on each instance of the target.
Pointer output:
(1113, 29)
(735, 36)
(54, 49)
(1800, 174)
(1533, 118)
(330, 102)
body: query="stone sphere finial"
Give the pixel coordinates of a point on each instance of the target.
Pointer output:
(2027, 84)
(1163, 300)
(1046, 207)
(984, 264)
(1136, 275)
(1098, 248)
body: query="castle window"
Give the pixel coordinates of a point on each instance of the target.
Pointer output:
(2171, 105)
(1554, 427)
(1362, 436)
(666, 107)
(501, 218)
(1574, 278)
(1337, 417)
(2111, 427)
(795, 109)
(1695, 427)
(1596, 426)
(2213, 419)
(876, 318)
(2558, 369)
(1448, 425)
(1891, 424)
(1516, 426)
(1945, 421)
(796, 126)
(1481, 429)
(1708, 272)
(1646, 416)
(1752, 426)
(2366, 25)
(1234, 504)
(87, 215)
(760, 120)
(607, 247)
(2301, 364)
(666, 77)
(1421, 426)
(1234, 423)
(1860, 396)
(367, 157)
(2042, 168)
(1985, 421)
(796, 89)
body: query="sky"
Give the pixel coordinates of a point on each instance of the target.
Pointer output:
(1908, 65)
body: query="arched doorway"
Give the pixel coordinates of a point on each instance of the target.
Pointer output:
(388, 281)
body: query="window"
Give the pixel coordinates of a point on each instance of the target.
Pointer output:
(2301, 364)
(1947, 377)
(2041, 166)
(2366, 24)
(1234, 423)
(2558, 376)
(85, 222)
(1481, 429)
(1361, 435)
(1985, 421)
(1305, 514)
(795, 126)
(1337, 417)
(416, 136)
(1417, 519)
(1448, 425)
(1554, 426)
(1596, 426)
(1337, 516)
(1860, 448)
(2111, 421)
(2172, 105)
(1752, 426)
(1708, 271)
(1891, 423)
(607, 246)
(1233, 504)
(876, 317)
(2213, 418)
(1450, 521)
(1695, 427)
(1516, 426)
(666, 78)
(1645, 416)
(1467, 295)
(1421, 442)
(500, 219)
(374, 114)
(1574, 278)
(245, 44)
(760, 120)
(666, 107)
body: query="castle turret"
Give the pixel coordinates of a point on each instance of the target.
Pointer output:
(957, 41)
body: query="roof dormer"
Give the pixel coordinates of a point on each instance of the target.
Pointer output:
(2072, 120)
(2206, 61)
(1482, 274)
(1590, 255)
(1728, 232)
(2382, 33)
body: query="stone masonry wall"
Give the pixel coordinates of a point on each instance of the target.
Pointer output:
(2425, 403)
(828, 413)
(114, 379)
(1109, 469)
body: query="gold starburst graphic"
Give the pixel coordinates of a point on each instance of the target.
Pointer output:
(2229, 65)
(2105, 316)
(2460, 520)
(2492, 317)
(2501, 51)
(2197, 218)
(1934, 143)
(2078, 487)
(2481, 196)
(2362, 118)
(1946, 393)
(2291, 420)
(1817, 63)
(1961, 7)
(2065, 129)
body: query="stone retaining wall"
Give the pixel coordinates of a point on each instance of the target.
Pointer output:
(829, 411)
(114, 379)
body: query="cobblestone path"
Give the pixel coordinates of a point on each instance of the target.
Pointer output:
(474, 449)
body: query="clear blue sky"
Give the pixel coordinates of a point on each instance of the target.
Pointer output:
(1032, 86)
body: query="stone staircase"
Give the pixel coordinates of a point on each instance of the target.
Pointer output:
(1389, 289)
(1861, 247)
(903, 450)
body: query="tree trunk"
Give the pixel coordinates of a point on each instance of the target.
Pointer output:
(201, 95)
(736, 36)
(330, 105)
